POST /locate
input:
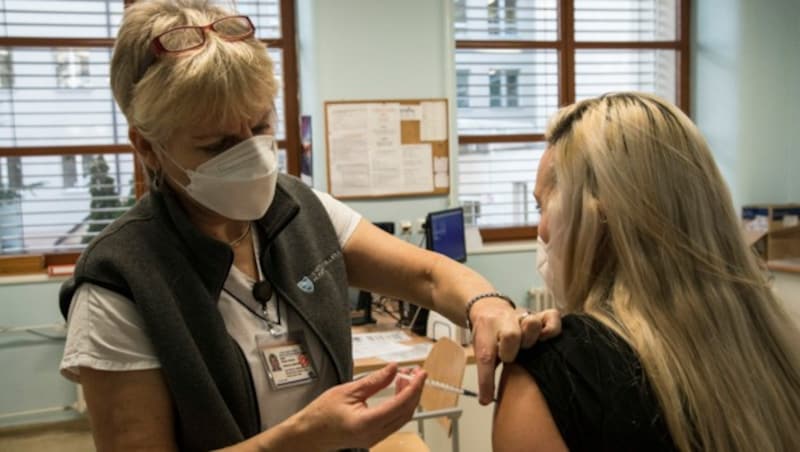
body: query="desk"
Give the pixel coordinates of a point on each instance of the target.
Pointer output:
(384, 324)
(785, 265)
(475, 426)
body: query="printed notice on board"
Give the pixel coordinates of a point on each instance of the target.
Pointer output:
(433, 125)
(417, 168)
(348, 145)
(410, 112)
(366, 154)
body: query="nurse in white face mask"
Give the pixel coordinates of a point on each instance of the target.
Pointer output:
(214, 313)
(238, 183)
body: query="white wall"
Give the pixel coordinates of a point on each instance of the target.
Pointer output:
(386, 49)
(746, 98)
(787, 286)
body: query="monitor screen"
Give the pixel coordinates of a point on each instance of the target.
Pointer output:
(445, 233)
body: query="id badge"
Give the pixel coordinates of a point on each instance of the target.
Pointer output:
(286, 360)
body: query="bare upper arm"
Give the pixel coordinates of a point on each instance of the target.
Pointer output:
(522, 420)
(130, 410)
(384, 264)
(371, 254)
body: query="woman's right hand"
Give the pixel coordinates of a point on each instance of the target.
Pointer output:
(340, 417)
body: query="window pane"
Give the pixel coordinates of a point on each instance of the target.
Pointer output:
(277, 59)
(63, 19)
(602, 71)
(529, 20)
(496, 182)
(265, 14)
(59, 96)
(58, 203)
(506, 91)
(462, 86)
(625, 20)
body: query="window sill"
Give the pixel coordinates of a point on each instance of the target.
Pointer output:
(34, 278)
(503, 247)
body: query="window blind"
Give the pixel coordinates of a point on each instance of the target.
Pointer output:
(505, 91)
(504, 87)
(266, 16)
(59, 202)
(58, 98)
(60, 18)
(532, 20)
(625, 20)
(512, 61)
(496, 181)
(602, 71)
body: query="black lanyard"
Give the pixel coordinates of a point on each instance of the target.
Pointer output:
(265, 316)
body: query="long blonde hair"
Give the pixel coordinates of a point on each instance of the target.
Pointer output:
(650, 245)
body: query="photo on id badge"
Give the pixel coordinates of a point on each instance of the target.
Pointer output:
(286, 360)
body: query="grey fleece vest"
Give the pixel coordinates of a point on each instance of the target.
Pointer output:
(154, 256)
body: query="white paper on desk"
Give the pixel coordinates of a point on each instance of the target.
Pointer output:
(433, 126)
(369, 345)
(416, 352)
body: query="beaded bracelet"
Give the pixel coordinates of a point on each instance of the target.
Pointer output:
(486, 295)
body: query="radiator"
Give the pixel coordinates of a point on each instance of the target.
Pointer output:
(539, 299)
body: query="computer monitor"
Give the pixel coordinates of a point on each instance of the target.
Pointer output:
(444, 233)
(360, 307)
(387, 226)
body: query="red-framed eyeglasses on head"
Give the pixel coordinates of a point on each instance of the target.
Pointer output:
(190, 37)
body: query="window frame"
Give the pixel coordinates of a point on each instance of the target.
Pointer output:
(566, 47)
(286, 43)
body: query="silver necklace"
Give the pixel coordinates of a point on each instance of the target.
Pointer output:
(237, 241)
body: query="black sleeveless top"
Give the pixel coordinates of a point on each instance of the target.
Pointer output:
(596, 390)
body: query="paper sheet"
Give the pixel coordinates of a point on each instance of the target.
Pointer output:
(417, 167)
(410, 112)
(441, 180)
(433, 126)
(368, 345)
(440, 164)
(366, 154)
(415, 352)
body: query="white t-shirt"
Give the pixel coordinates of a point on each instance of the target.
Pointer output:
(106, 330)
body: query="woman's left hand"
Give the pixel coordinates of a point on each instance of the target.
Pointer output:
(500, 332)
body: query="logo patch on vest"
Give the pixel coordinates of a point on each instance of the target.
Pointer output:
(306, 284)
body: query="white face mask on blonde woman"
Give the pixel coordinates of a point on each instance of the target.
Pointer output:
(239, 183)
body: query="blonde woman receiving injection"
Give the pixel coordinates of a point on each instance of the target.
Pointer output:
(214, 313)
(674, 340)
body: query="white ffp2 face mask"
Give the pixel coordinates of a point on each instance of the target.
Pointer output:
(543, 265)
(239, 183)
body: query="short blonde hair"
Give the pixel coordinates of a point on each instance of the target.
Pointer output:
(221, 83)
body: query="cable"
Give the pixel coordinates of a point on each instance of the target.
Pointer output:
(46, 336)
(34, 331)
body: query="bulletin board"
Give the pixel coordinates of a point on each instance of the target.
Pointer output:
(387, 148)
